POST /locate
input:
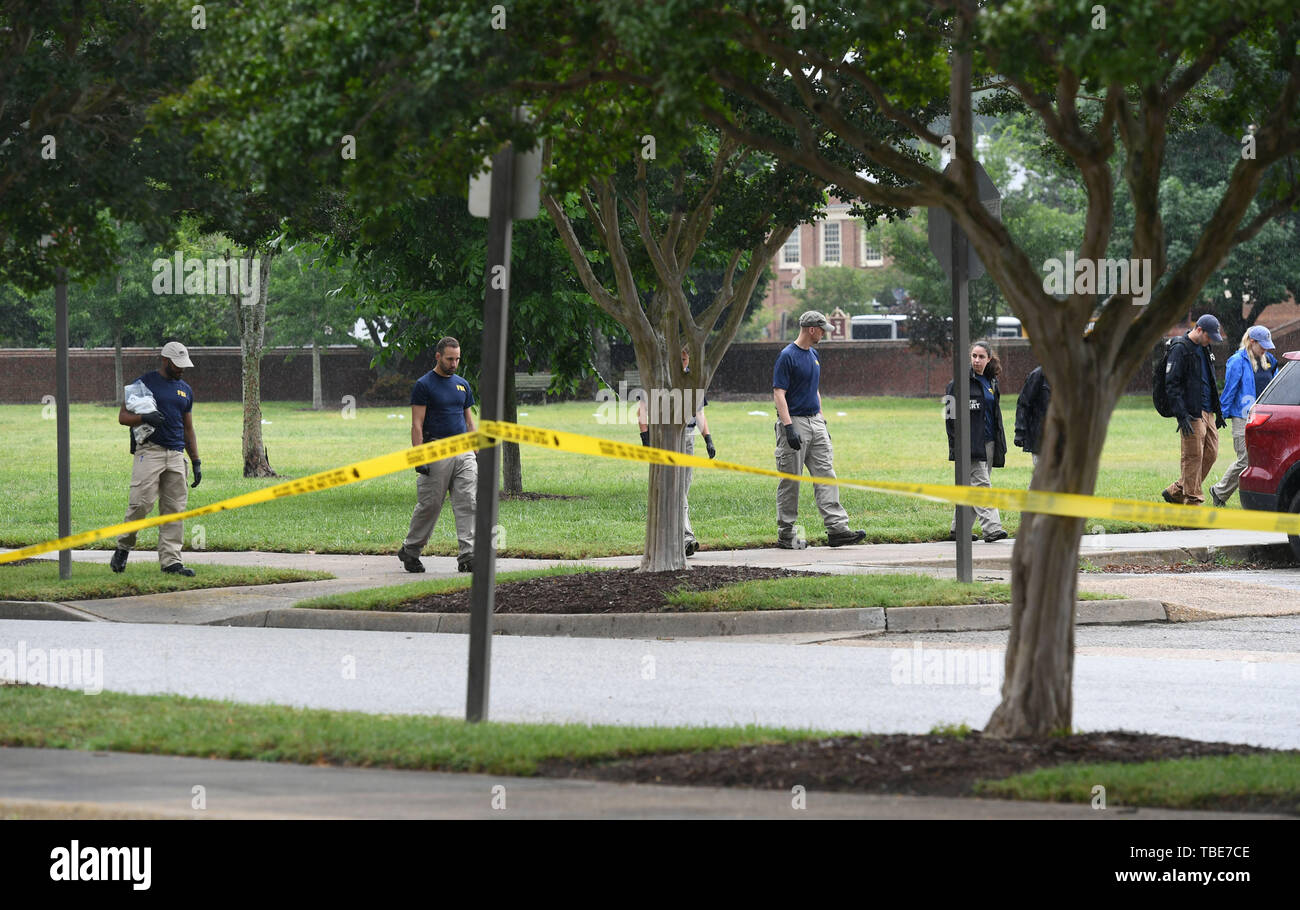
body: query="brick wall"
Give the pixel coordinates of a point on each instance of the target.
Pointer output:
(286, 373)
(848, 368)
(893, 368)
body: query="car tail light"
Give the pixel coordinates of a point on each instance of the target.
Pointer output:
(1258, 417)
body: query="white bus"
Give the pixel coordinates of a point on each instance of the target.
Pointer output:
(875, 327)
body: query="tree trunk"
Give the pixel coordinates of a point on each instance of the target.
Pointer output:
(665, 534)
(316, 402)
(1036, 690)
(512, 471)
(251, 318)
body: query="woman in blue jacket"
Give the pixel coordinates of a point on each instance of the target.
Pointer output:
(1248, 372)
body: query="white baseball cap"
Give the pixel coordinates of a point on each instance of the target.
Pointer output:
(176, 353)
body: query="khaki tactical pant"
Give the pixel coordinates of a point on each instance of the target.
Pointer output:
(458, 476)
(981, 476)
(1200, 448)
(158, 475)
(1231, 478)
(817, 455)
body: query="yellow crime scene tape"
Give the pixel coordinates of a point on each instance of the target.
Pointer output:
(491, 432)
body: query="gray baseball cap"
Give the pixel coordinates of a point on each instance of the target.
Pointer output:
(176, 353)
(1262, 335)
(814, 318)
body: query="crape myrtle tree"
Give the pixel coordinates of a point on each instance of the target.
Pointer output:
(708, 203)
(1099, 80)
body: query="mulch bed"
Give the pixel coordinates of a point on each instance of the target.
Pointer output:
(613, 591)
(932, 765)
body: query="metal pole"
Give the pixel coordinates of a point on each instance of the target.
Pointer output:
(959, 106)
(961, 395)
(61, 415)
(496, 323)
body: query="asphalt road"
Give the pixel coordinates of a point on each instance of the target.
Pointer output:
(1235, 680)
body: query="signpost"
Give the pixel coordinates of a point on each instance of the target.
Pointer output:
(510, 190)
(951, 245)
(61, 416)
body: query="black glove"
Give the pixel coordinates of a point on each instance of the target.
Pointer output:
(198, 472)
(1185, 424)
(645, 437)
(423, 469)
(155, 419)
(792, 437)
(708, 444)
(1219, 422)
(1019, 442)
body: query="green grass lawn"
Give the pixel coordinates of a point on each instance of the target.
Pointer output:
(172, 725)
(819, 592)
(1185, 783)
(896, 439)
(40, 580)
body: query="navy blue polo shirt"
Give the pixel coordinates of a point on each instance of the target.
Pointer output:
(798, 372)
(175, 399)
(445, 399)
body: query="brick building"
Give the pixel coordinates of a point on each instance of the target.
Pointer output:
(837, 240)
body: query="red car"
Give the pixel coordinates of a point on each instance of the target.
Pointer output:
(1272, 482)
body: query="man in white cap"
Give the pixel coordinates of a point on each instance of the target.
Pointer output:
(1191, 389)
(158, 469)
(1248, 372)
(802, 439)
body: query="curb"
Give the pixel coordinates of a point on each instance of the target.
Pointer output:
(966, 618)
(43, 610)
(1169, 556)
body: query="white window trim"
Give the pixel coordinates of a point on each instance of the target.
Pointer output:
(797, 236)
(822, 257)
(862, 248)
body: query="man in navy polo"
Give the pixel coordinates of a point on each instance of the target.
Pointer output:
(440, 407)
(802, 440)
(158, 469)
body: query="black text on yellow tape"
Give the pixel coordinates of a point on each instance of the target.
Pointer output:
(325, 480)
(1071, 505)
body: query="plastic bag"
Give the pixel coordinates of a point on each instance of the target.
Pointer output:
(139, 400)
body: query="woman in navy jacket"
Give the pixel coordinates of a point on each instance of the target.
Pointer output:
(1248, 371)
(988, 441)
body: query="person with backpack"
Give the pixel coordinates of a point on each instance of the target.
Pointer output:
(1248, 372)
(1031, 412)
(1192, 398)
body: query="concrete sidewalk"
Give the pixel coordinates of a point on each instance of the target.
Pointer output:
(1147, 598)
(56, 783)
